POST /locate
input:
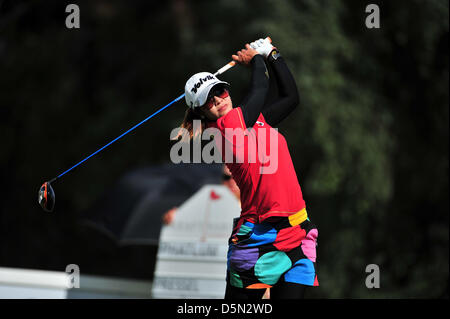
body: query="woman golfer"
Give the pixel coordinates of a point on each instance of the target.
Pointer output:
(273, 243)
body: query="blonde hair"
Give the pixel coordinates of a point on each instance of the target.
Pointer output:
(188, 124)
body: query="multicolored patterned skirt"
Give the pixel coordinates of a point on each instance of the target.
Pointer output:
(259, 254)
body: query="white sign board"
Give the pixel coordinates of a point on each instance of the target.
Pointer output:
(192, 252)
(16, 283)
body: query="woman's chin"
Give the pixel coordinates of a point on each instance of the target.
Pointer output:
(224, 110)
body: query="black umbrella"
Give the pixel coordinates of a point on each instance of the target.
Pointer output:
(131, 212)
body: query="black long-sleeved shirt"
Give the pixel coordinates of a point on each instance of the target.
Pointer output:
(274, 96)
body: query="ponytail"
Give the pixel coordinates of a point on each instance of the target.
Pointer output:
(188, 124)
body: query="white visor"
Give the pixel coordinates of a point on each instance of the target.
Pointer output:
(198, 86)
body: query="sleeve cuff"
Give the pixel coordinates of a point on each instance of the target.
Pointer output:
(274, 55)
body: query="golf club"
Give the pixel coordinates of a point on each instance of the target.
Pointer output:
(46, 196)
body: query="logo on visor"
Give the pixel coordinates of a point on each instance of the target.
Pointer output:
(199, 83)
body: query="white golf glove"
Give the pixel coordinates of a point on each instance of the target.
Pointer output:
(262, 46)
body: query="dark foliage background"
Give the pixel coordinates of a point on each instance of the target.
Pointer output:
(369, 140)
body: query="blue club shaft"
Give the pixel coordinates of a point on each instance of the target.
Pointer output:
(219, 72)
(119, 137)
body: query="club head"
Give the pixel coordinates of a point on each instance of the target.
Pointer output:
(46, 197)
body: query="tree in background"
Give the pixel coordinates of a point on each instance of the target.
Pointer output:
(369, 140)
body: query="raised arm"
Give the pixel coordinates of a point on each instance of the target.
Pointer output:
(279, 107)
(253, 103)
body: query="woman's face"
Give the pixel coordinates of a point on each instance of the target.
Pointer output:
(217, 105)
